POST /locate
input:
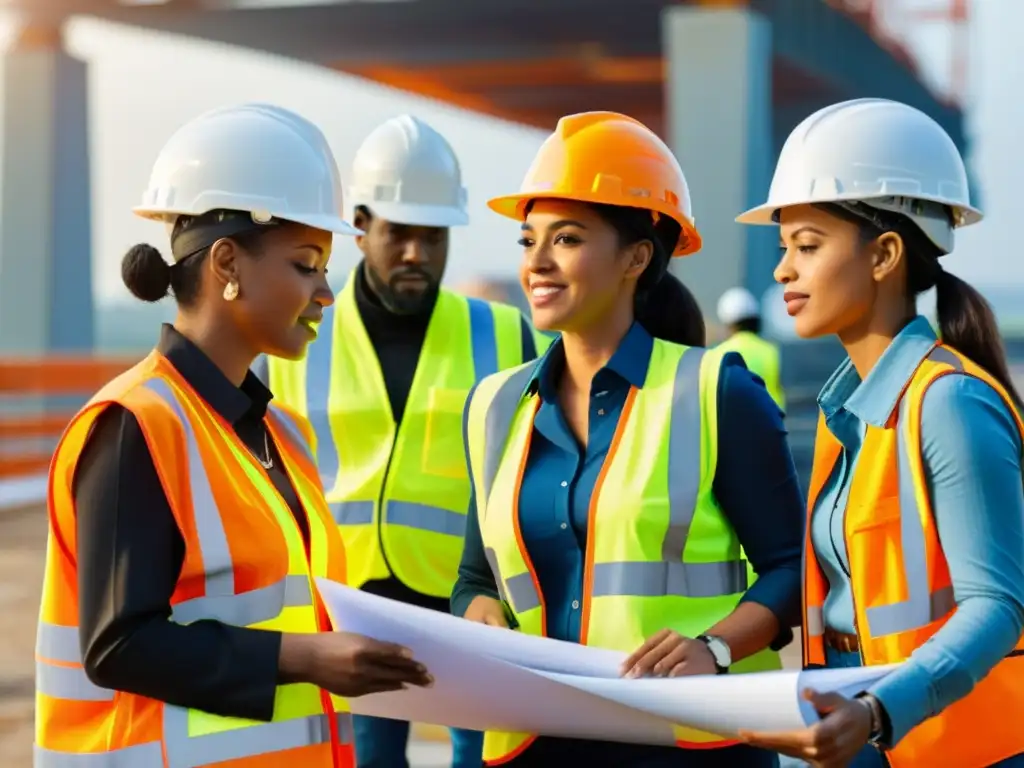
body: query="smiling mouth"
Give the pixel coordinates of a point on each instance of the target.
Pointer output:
(545, 293)
(309, 325)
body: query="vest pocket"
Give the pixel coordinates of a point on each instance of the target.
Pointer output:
(443, 451)
(884, 513)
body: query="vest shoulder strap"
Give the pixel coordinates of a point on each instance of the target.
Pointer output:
(942, 361)
(491, 409)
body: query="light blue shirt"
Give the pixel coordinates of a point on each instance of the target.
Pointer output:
(972, 456)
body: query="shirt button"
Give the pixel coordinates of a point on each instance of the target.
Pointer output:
(575, 604)
(564, 526)
(564, 483)
(600, 411)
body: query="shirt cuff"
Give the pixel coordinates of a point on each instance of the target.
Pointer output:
(905, 694)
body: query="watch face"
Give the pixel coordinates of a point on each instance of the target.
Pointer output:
(720, 650)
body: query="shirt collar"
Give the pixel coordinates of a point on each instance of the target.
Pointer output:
(231, 402)
(630, 362)
(874, 399)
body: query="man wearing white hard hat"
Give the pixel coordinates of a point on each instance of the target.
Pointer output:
(740, 312)
(385, 385)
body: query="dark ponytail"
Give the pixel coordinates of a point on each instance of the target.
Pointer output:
(150, 278)
(662, 304)
(966, 321)
(670, 312)
(145, 273)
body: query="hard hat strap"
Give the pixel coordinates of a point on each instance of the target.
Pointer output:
(193, 234)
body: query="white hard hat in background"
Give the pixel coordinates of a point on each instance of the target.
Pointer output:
(257, 158)
(737, 304)
(879, 152)
(406, 172)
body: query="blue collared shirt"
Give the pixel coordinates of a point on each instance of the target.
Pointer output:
(972, 456)
(755, 483)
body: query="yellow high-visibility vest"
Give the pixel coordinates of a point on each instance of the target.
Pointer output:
(399, 493)
(660, 551)
(762, 357)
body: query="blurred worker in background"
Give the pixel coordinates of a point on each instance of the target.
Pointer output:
(385, 385)
(618, 481)
(740, 312)
(180, 625)
(916, 513)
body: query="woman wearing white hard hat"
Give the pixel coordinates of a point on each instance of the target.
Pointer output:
(180, 621)
(915, 545)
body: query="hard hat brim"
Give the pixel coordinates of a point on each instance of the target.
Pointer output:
(325, 222)
(765, 214)
(414, 215)
(514, 207)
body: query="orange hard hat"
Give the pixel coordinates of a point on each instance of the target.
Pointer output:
(612, 159)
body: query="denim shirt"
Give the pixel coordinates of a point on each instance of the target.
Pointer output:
(972, 456)
(755, 484)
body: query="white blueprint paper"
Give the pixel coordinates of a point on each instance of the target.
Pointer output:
(493, 678)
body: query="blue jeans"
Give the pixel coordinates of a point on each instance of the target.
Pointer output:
(381, 743)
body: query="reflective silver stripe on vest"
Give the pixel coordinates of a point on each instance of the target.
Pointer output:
(639, 579)
(139, 756)
(291, 429)
(498, 422)
(922, 606)
(519, 590)
(407, 513)
(814, 624)
(246, 608)
(670, 576)
(68, 683)
(185, 752)
(220, 602)
(60, 645)
(213, 541)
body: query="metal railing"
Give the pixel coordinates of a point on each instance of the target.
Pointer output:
(38, 396)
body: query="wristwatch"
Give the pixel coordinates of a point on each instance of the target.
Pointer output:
(720, 651)
(877, 723)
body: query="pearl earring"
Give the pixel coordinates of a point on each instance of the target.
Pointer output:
(231, 291)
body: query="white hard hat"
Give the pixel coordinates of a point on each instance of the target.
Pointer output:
(737, 304)
(877, 152)
(256, 158)
(406, 172)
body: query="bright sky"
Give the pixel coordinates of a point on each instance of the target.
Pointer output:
(134, 74)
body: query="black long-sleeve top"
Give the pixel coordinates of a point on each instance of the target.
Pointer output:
(130, 553)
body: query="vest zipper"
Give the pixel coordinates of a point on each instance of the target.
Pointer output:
(832, 541)
(381, 503)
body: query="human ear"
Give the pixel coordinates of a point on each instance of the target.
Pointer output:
(638, 258)
(888, 253)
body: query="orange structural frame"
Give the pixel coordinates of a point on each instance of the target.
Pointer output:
(38, 396)
(475, 85)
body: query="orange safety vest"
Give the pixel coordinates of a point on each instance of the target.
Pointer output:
(245, 564)
(902, 591)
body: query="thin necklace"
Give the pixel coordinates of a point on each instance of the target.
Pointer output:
(268, 463)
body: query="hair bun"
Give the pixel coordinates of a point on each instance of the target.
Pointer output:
(145, 273)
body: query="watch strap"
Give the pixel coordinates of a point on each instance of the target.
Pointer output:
(877, 722)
